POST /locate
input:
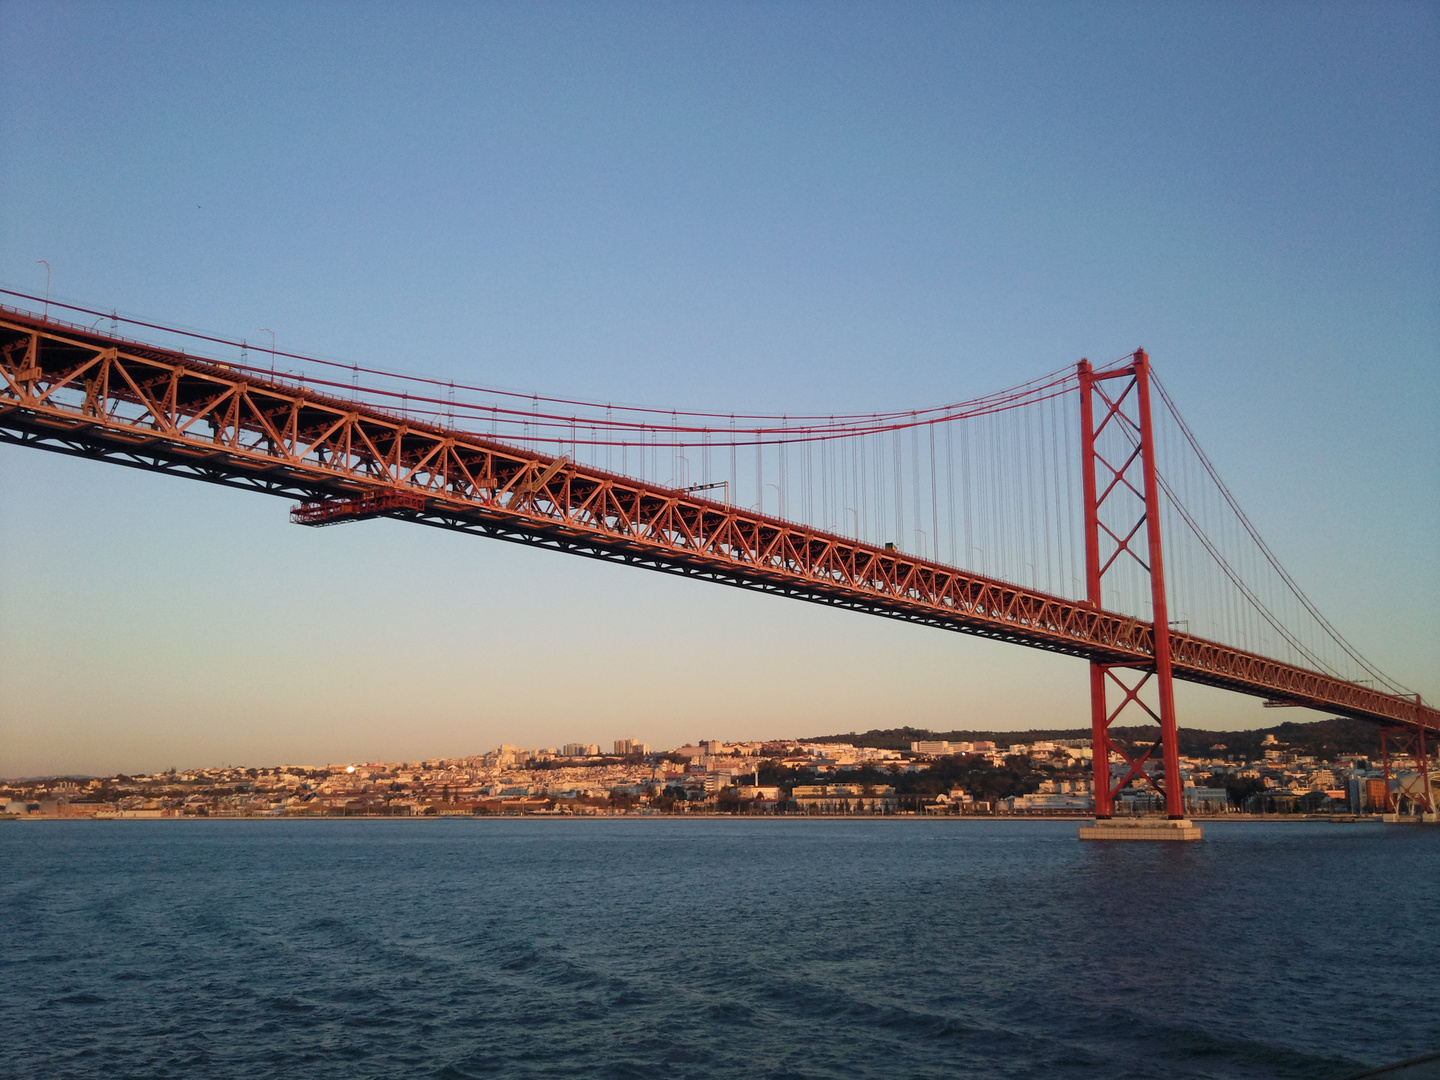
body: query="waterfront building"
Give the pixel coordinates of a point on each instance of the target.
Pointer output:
(844, 798)
(1206, 800)
(1051, 803)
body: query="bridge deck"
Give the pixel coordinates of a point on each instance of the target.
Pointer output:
(72, 390)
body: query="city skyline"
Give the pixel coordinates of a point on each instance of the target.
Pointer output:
(1323, 768)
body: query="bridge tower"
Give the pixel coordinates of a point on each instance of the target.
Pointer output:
(1122, 503)
(1418, 788)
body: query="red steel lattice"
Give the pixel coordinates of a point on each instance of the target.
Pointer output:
(1129, 408)
(75, 391)
(1421, 793)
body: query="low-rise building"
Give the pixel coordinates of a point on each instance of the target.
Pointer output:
(1049, 803)
(1206, 800)
(844, 798)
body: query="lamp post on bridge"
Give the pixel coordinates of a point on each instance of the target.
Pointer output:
(47, 288)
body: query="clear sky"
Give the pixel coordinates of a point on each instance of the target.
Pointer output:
(775, 207)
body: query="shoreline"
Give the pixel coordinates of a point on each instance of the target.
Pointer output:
(1366, 819)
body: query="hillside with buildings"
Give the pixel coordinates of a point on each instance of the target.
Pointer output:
(1327, 767)
(1320, 738)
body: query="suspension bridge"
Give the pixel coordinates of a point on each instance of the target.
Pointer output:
(1075, 513)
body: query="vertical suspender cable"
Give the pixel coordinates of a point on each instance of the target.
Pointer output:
(934, 501)
(966, 490)
(950, 485)
(1077, 582)
(899, 493)
(915, 515)
(732, 494)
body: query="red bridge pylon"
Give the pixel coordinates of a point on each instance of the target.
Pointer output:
(1416, 790)
(1128, 488)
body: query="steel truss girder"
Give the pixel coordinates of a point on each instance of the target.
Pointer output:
(1407, 741)
(71, 390)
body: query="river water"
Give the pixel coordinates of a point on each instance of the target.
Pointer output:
(712, 948)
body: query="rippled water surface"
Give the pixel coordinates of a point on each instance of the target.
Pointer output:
(661, 948)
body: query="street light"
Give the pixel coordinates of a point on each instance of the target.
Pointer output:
(267, 330)
(779, 500)
(711, 487)
(47, 288)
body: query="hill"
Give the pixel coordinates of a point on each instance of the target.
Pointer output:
(1320, 738)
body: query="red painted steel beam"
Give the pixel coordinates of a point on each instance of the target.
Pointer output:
(1132, 384)
(74, 391)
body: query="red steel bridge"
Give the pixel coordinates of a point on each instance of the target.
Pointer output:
(1081, 495)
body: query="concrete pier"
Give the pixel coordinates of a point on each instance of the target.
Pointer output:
(1141, 829)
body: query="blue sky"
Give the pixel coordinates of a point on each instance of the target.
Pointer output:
(785, 207)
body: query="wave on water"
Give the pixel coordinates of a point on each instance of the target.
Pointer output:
(882, 950)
